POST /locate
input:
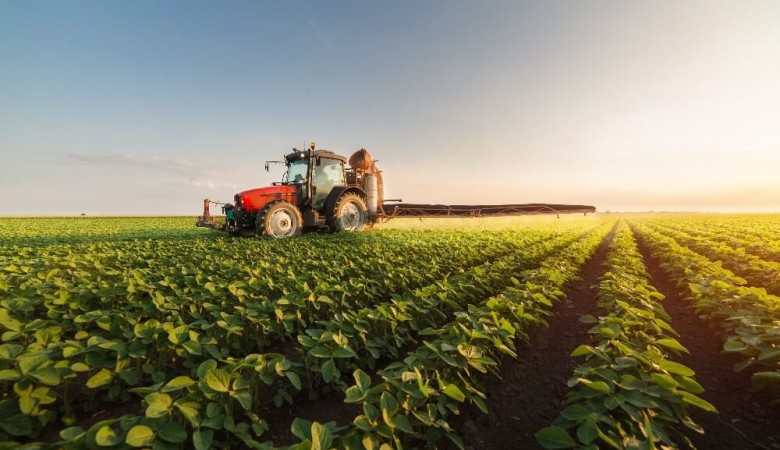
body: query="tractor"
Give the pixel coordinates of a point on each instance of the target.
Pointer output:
(317, 192)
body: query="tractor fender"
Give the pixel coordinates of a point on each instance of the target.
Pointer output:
(336, 193)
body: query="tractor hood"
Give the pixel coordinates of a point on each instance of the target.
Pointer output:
(254, 200)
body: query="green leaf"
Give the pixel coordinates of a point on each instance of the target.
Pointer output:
(139, 436)
(587, 432)
(172, 432)
(10, 375)
(321, 437)
(179, 334)
(607, 331)
(27, 405)
(213, 408)
(328, 370)
(71, 433)
(362, 380)
(158, 404)
(79, 367)
(588, 319)
(344, 352)
(178, 383)
(28, 363)
(624, 362)
(555, 438)
(107, 437)
(205, 367)
(402, 423)
(18, 425)
(218, 380)
(676, 368)
(354, 395)
(582, 350)
(734, 346)
(689, 384)
(699, 402)
(672, 344)
(641, 400)
(389, 406)
(202, 439)
(193, 347)
(363, 423)
(598, 386)
(454, 392)
(767, 376)
(130, 377)
(575, 412)
(769, 354)
(244, 399)
(295, 380)
(189, 410)
(101, 378)
(301, 429)
(663, 380)
(320, 352)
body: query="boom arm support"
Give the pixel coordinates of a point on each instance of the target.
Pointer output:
(424, 210)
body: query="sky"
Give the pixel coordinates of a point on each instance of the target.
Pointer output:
(147, 107)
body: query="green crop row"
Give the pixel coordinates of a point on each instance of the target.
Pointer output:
(411, 403)
(72, 351)
(24, 231)
(762, 244)
(756, 271)
(358, 338)
(179, 337)
(627, 393)
(749, 317)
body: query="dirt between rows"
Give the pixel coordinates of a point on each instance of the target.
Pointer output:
(530, 392)
(745, 421)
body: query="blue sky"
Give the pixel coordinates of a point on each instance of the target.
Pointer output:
(146, 107)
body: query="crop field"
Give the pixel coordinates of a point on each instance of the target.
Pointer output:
(636, 331)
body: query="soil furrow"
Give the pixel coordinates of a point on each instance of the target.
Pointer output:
(530, 393)
(745, 421)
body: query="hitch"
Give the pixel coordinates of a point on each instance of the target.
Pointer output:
(209, 221)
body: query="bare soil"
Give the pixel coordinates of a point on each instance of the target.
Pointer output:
(328, 408)
(531, 391)
(745, 421)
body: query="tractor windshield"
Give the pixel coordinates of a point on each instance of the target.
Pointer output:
(296, 172)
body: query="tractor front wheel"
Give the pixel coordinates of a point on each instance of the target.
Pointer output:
(349, 214)
(278, 220)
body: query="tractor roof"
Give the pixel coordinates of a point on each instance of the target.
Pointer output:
(317, 153)
(329, 154)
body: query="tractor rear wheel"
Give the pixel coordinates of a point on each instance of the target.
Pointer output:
(349, 214)
(279, 219)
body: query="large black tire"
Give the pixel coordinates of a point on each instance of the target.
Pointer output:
(349, 214)
(279, 219)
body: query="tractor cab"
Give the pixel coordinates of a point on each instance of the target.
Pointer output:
(315, 173)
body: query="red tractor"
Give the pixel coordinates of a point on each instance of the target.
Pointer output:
(318, 191)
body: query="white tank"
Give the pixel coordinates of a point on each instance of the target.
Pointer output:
(372, 193)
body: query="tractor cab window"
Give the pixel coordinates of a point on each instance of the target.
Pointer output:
(327, 174)
(296, 173)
